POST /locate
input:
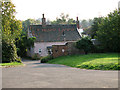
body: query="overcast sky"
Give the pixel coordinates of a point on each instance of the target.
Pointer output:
(84, 9)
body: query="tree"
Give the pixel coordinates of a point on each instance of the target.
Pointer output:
(64, 19)
(11, 29)
(95, 26)
(23, 44)
(85, 44)
(84, 23)
(28, 22)
(109, 32)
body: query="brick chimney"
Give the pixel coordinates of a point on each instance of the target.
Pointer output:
(43, 21)
(77, 23)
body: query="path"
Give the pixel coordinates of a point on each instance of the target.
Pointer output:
(37, 75)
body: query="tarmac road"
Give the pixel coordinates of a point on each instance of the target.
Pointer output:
(38, 75)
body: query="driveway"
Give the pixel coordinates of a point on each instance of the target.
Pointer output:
(38, 75)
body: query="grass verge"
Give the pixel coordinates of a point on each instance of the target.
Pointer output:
(11, 64)
(97, 61)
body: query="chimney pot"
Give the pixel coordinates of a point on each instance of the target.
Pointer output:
(43, 21)
(43, 15)
(77, 22)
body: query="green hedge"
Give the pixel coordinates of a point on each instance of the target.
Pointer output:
(46, 59)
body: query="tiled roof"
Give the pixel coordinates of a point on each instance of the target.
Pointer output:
(54, 33)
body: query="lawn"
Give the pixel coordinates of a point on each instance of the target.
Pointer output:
(98, 61)
(11, 64)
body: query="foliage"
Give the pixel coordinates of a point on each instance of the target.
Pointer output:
(9, 53)
(95, 26)
(64, 19)
(104, 61)
(0, 46)
(11, 29)
(85, 44)
(101, 64)
(24, 43)
(109, 32)
(98, 49)
(46, 59)
(86, 23)
(28, 22)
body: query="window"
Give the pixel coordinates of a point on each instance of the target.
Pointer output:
(49, 51)
(40, 51)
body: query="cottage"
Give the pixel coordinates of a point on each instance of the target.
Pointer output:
(48, 35)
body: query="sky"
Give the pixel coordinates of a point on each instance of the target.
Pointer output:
(84, 9)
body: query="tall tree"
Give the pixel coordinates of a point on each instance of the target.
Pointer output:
(11, 29)
(95, 26)
(64, 19)
(84, 23)
(28, 22)
(109, 32)
(23, 44)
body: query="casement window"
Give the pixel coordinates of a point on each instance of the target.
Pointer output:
(40, 51)
(49, 49)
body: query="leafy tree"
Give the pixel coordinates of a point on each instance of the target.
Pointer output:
(64, 19)
(109, 32)
(28, 22)
(11, 29)
(95, 26)
(84, 23)
(23, 44)
(90, 22)
(71, 21)
(85, 44)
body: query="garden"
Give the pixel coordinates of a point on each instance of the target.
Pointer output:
(97, 61)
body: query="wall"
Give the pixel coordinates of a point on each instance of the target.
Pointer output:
(59, 50)
(43, 46)
(63, 48)
(69, 49)
(72, 50)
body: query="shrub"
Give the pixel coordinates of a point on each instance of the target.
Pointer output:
(85, 44)
(46, 59)
(9, 53)
(23, 44)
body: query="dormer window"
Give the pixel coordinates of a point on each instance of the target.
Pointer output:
(63, 34)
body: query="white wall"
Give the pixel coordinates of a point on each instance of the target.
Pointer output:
(43, 46)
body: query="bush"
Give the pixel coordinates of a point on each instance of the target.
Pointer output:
(9, 53)
(46, 59)
(85, 44)
(23, 44)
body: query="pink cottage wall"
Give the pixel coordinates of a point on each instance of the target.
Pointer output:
(43, 46)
